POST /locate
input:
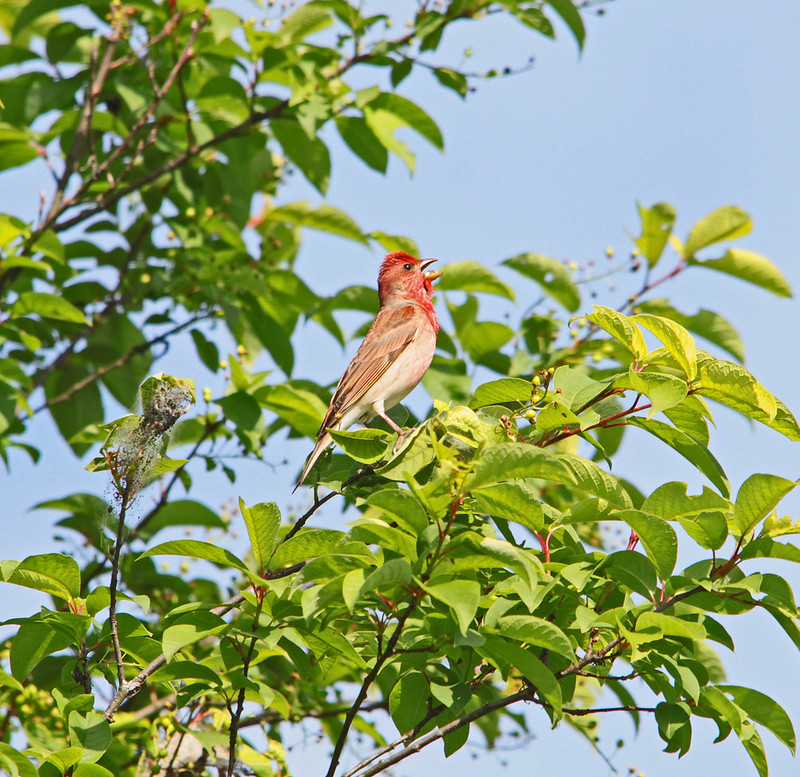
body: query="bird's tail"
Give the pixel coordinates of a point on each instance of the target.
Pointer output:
(322, 443)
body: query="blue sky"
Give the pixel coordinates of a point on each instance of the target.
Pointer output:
(692, 103)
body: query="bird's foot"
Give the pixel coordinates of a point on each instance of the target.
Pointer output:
(400, 435)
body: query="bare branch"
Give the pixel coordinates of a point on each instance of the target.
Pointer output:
(126, 357)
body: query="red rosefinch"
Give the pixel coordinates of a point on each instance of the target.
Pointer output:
(394, 356)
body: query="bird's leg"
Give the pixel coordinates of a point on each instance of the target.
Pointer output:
(379, 411)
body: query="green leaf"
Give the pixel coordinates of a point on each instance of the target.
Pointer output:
(183, 512)
(732, 385)
(461, 596)
(269, 332)
(324, 217)
(512, 502)
(401, 507)
(408, 701)
(764, 710)
(657, 223)
(263, 522)
(725, 223)
(22, 764)
(183, 670)
(415, 453)
(751, 739)
(502, 653)
(691, 416)
(551, 275)
(633, 570)
(452, 79)
(310, 156)
(16, 154)
(674, 726)
(704, 323)
(447, 380)
(536, 631)
(393, 243)
(73, 410)
(657, 536)
(197, 549)
(589, 477)
(664, 391)
(757, 498)
(304, 21)
(201, 625)
(301, 409)
(676, 339)
(576, 389)
(92, 732)
(313, 543)
(752, 268)
(33, 642)
(387, 112)
(363, 141)
(709, 529)
(472, 277)
(409, 114)
(572, 18)
(396, 571)
(509, 555)
(621, 328)
(663, 625)
(47, 306)
(687, 447)
(51, 573)
(120, 339)
(366, 446)
(499, 392)
(510, 461)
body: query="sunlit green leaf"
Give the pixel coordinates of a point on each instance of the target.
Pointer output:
(725, 223)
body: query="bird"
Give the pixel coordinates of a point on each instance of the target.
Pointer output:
(395, 354)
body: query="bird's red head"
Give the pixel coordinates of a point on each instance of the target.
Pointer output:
(403, 277)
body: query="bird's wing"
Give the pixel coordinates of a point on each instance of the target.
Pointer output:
(390, 334)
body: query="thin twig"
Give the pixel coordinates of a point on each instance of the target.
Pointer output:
(113, 585)
(335, 712)
(81, 134)
(132, 686)
(237, 713)
(380, 660)
(319, 502)
(159, 95)
(112, 300)
(106, 368)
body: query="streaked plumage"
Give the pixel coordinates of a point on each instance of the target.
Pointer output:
(394, 356)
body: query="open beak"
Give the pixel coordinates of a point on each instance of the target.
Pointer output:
(430, 275)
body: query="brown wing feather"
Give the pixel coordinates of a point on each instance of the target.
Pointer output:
(373, 358)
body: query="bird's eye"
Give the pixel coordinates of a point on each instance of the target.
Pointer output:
(408, 266)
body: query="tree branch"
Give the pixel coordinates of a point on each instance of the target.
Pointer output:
(112, 589)
(131, 687)
(237, 713)
(380, 660)
(106, 368)
(159, 95)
